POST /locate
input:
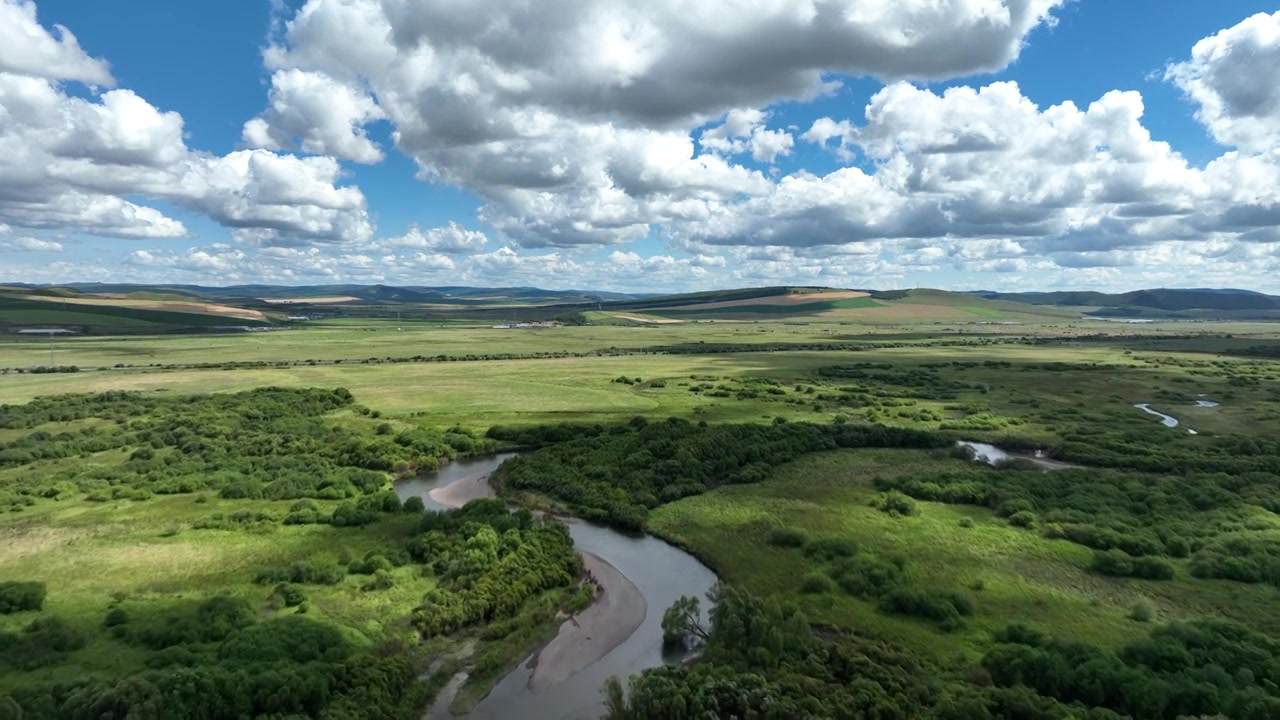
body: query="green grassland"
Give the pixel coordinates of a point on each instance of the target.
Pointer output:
(923, 361)
(145, 557)
(1009, 572)
(1097, 382)
(135, 513)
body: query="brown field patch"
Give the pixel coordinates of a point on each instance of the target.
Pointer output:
(789, 299)
(197, 308)
(311, 300)
(652, 320)
(902, 312)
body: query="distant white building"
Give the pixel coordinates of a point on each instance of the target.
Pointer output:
(45, 331)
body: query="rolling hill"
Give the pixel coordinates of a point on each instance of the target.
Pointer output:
(1198, 303)
(828, 304)
(96, 315)
(100, 308)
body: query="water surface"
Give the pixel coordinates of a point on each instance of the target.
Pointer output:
(661, 572)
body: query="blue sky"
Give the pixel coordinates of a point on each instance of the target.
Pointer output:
(643, 145)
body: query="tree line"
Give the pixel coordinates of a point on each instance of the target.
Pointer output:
(616, 474)
(1137, 522)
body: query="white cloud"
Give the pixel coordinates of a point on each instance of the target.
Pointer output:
(31, 244)
(767, 145)
(610, 122)
(29, 49)
(316, 114)
(574, 126)
(451, 239)
(1232, 77)
(70, 162)
(988, 163)
(744, 130)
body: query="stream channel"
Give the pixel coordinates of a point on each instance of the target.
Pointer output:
(660, 572)
(991, 455)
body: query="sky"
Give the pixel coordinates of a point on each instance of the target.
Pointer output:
(648, 146)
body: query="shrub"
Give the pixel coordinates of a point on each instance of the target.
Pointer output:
(966, 522)
(924, 604)
(894, 503)
(866, 576)
(381, 580)
(815, 584)
(1020, 634)
(372, 563)
(288, 595)
(116, 616)
(1141, 613)
(1023, 519)
(787, 537)
(290, 638)
(1117, 563)
(303, 573)
(414, 505)
(21, 596)
(44, 642)
(830, 548)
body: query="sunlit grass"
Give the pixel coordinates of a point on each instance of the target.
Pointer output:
(1012, 574)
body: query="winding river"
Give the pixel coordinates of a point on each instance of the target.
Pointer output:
(1168, 420)
(1171, 421)
(992, 455)
(661, 573)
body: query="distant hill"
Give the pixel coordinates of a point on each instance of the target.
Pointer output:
(828, 304)
(1197, 303)
(357, 293)
(21, 309)
(125, 307)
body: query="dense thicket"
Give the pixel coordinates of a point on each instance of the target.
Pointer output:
(269, 654)
(255, 680)
(763, 660)
(489, 563)
(217, 658)
(1222, 522)
(617, 474)
(269, 443)
(1199, 669)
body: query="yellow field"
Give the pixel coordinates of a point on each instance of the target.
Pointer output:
(197, 308)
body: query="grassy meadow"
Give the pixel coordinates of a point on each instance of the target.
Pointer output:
(937, 363)
(1010, 572)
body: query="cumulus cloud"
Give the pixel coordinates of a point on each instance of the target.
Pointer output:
(989, 163)
(610, 122)
(451, 239)
(744, 130)
(574, 126)
(78, 163)
(314, 113)
(30, 49)
(31, 244)
(1231, 76)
